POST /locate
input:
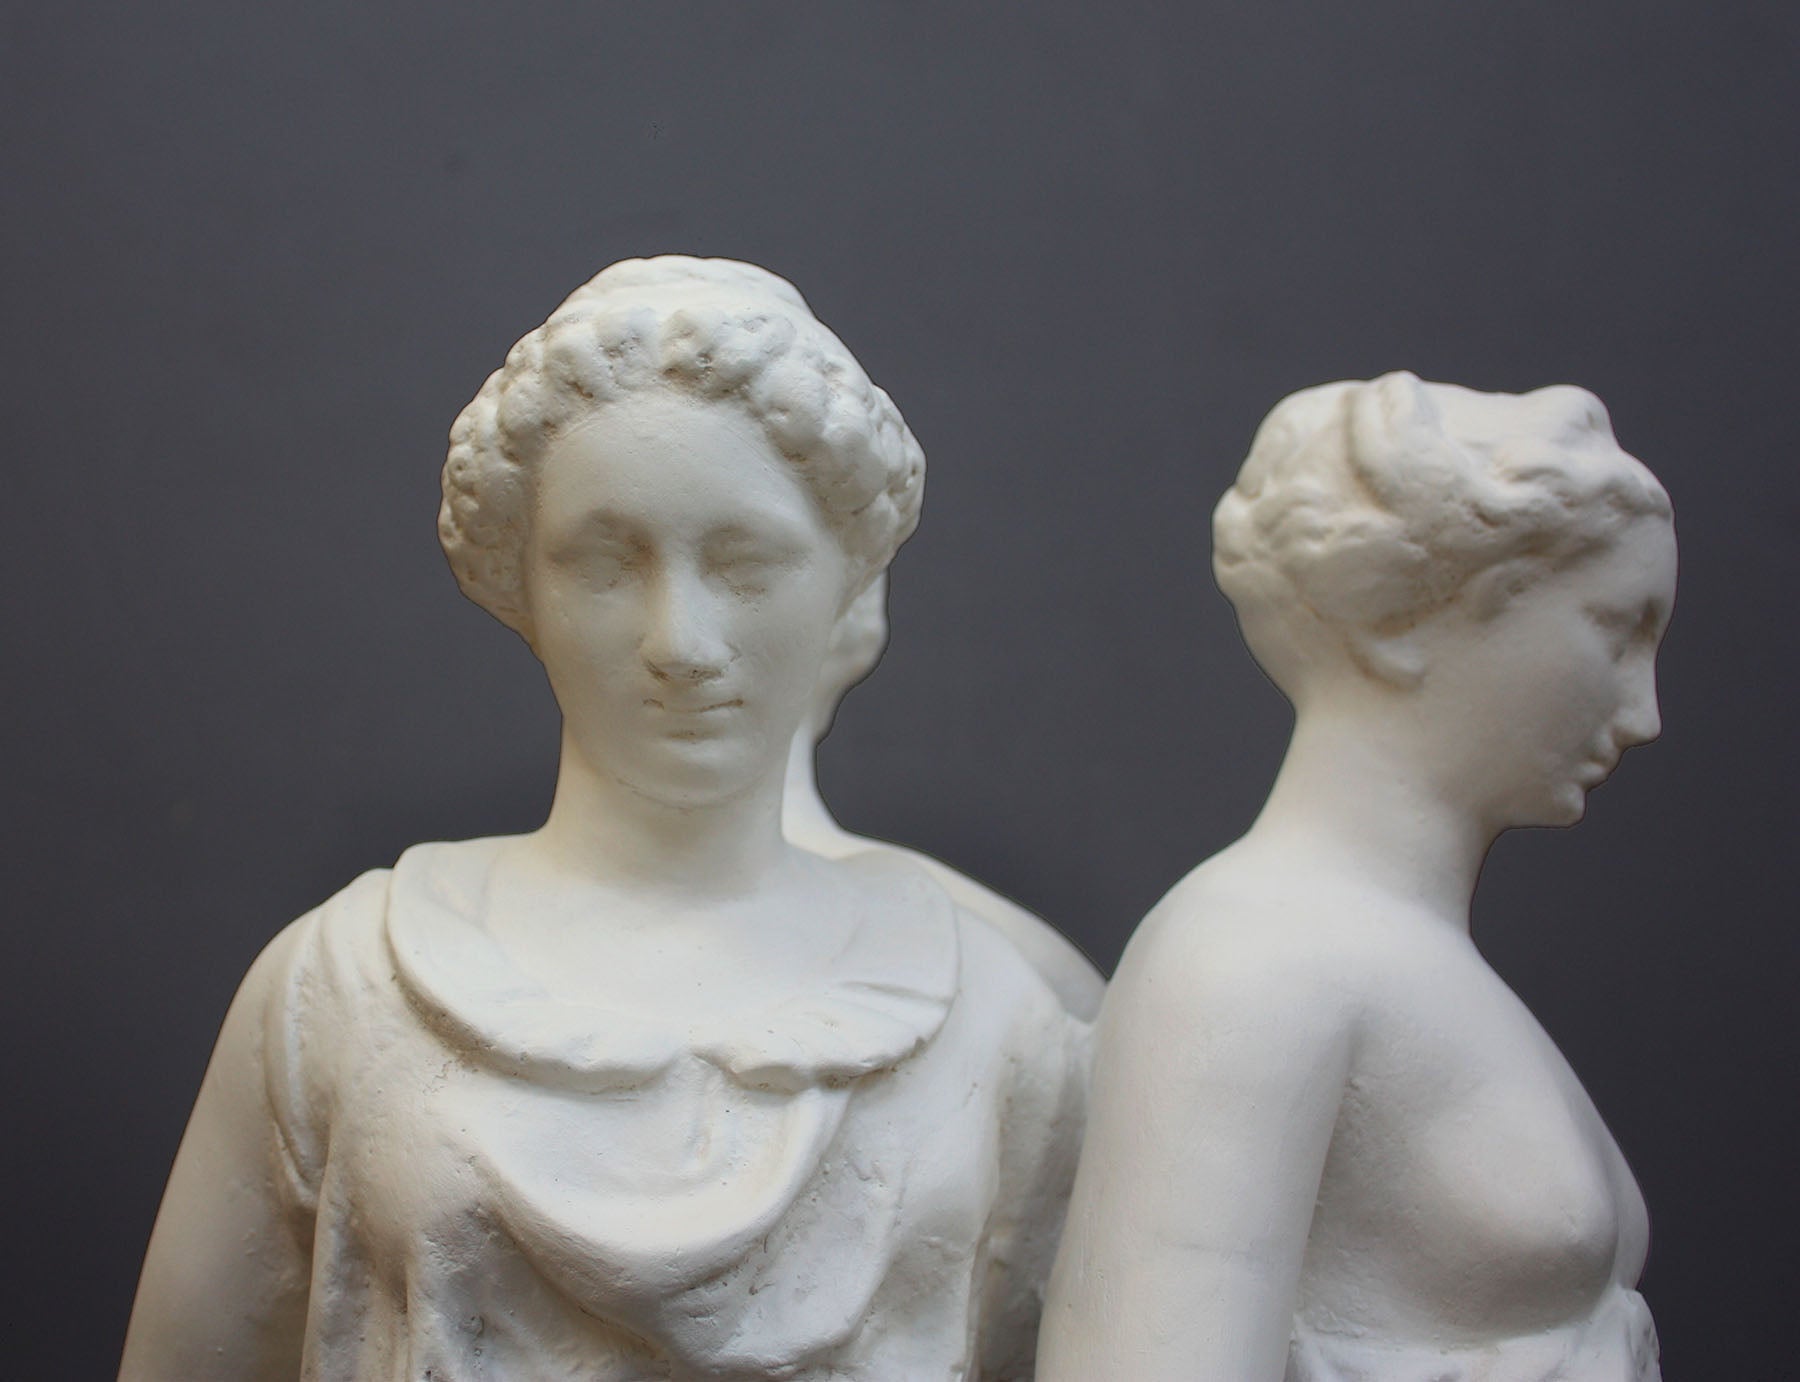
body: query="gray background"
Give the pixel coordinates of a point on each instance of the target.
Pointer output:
(256, 257)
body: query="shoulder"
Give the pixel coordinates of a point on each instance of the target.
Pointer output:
(1227, 959)
(337, 942)
(295, 959)
(334, 968)
(348, 927)
(1074, 979)
(996, 974)
(1070, 975)
(285, 1023)
(909, 904)
(358, 906)
(1042, 1050)
(1003, 1004)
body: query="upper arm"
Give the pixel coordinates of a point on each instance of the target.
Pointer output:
(224, 1285)
(1216, 1090)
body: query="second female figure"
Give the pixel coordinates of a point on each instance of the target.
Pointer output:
(1328, 1143)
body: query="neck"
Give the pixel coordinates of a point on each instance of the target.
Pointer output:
(1354, 795)
(605, 832)
(804, 814)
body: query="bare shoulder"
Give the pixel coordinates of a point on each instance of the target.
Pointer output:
(1232, 948)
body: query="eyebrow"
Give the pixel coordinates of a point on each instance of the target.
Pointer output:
(779, 531)
(759, 525)
(603, 518)
(598, 525)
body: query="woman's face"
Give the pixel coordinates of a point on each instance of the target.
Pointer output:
(682, 586)
(1560, 682)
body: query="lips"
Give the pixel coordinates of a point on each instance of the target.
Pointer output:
(1597, 769)
(670, 705)
(692, 721)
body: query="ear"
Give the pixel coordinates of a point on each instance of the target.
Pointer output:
(1491, 590)
(1395, 659)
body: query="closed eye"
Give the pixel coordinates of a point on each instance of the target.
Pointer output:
(600, 555)
(748, 565)
(1626, 628)
(1618, 625)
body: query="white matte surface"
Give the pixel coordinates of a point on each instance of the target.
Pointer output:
(650, 1092)
(1328, 1143)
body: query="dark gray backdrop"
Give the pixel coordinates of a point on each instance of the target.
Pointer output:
(256, 258)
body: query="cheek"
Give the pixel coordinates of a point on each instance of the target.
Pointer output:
(1596, 693)
(584, 639)
(784, 637)
(1566, 679)
(787, 635)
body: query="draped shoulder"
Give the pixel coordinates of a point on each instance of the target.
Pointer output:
(887, 992)
(325, 969)
(859, 1179)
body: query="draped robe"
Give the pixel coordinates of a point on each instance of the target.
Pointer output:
(864, 1179)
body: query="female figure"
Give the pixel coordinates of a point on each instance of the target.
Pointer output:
(647, 1093)
(1328, 1143)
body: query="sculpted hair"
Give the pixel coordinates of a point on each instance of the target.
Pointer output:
(1371, 505)
(717, 330)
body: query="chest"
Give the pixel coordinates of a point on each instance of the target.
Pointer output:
(1471, 1173)
(689, 1218)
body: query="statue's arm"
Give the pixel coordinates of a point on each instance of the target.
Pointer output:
(1216, 1089)
(223, 1293)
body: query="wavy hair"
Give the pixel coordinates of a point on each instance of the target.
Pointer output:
(717, 330)
(1370, 505)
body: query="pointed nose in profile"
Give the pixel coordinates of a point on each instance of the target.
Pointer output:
(1640, 718)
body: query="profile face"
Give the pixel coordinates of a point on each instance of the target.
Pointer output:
(1563, 679)
(682, 585)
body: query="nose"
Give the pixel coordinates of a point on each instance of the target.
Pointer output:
(1640, 717)
(684, 638)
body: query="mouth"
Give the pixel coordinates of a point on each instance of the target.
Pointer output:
(676, 707)
(1596, 770)
(695, 722)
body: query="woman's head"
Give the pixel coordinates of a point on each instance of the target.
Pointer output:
(1481, 580)
(1364, 510)
(713, 330)
(673, 489)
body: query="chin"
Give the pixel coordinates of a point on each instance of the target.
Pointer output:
(691, 774)
(1567, 807)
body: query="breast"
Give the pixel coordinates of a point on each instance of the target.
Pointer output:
(1521, 1205)
(1478, 1207)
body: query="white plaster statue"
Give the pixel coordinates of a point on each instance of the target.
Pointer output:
(649, 1093)
(1327, 1142)
(856, 646)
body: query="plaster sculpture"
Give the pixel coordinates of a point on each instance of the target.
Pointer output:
(650, 1092)
(856, 646)
(1327, 1142)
